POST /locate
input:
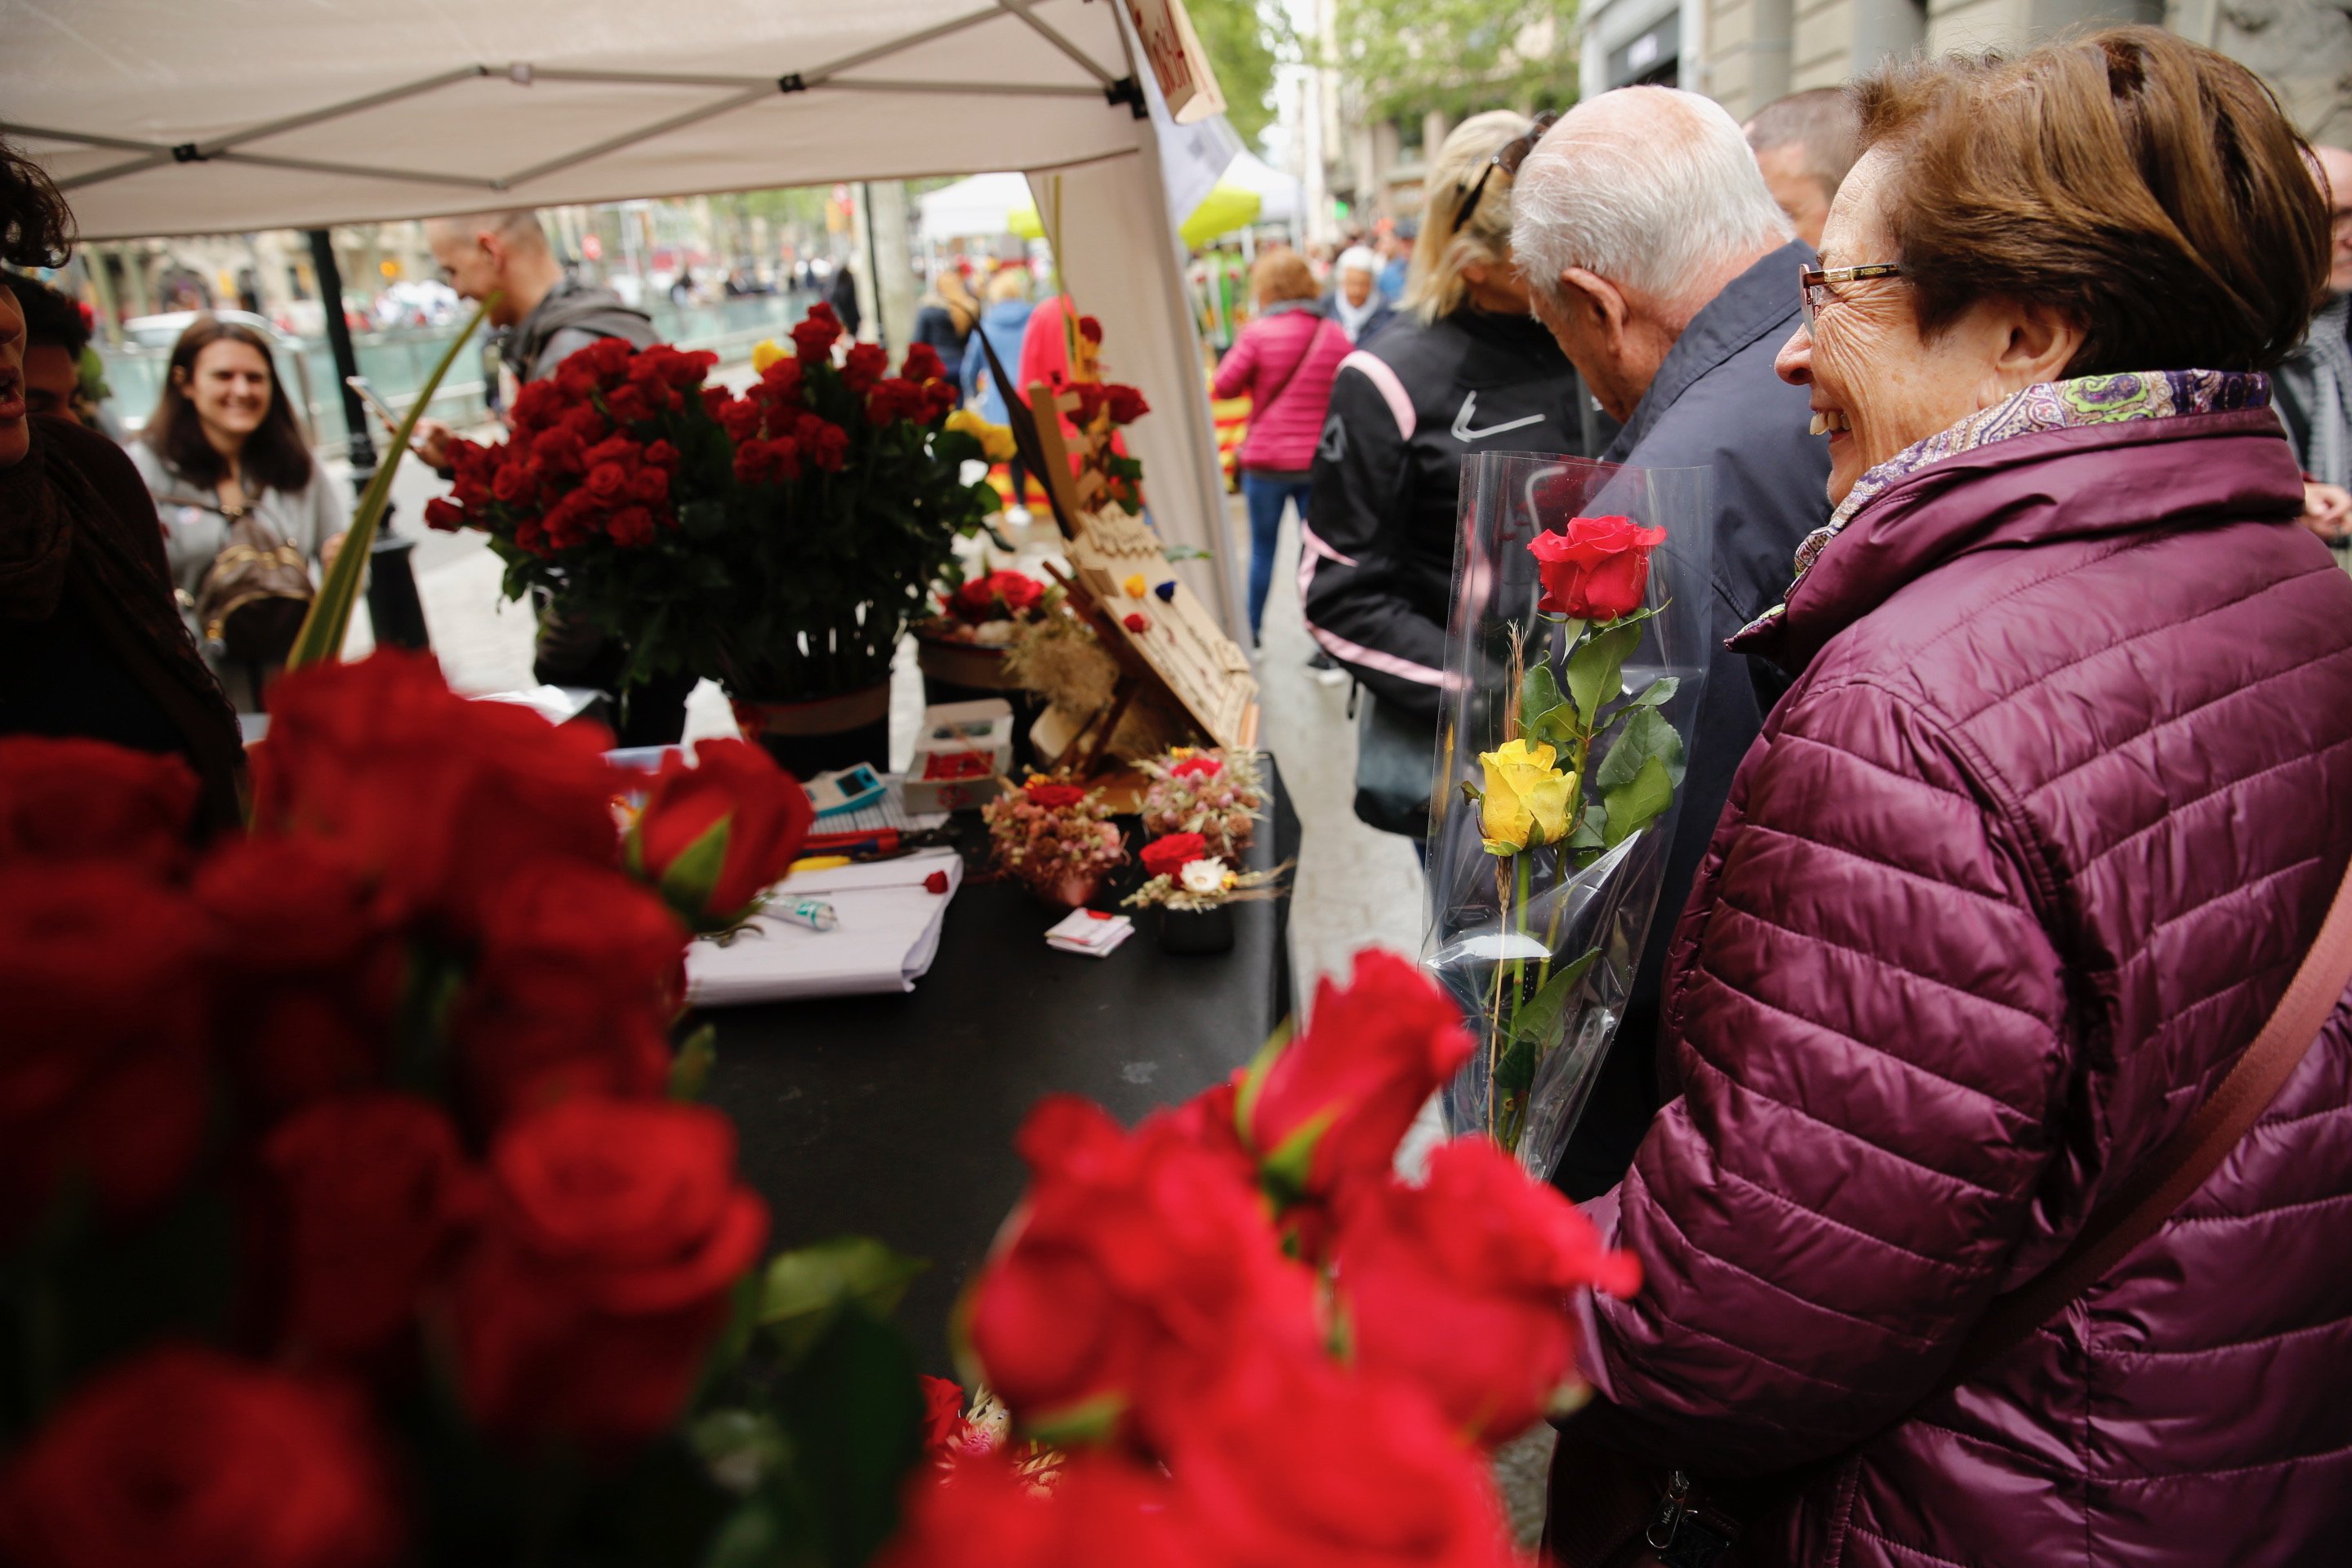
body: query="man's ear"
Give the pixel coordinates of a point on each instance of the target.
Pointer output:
(1596, 302)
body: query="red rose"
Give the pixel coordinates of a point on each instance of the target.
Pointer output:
(1099, 1510)
(1331, 1108)
(311, 971)
(814, 338)
(586, 422)
(631, 528)
(1018, 593)
(628, 405)
(922, 364)
(513, 484)
(444, 514)
(561, 452)
(1167, 856)
(1090, 329)
(739, 417)
(71, 799)
(183, 1457)
(863, 367)
(1053, 796)
(1126, 405)
(369, 1191)
(608, 482)
(1289, 1462)
(579, 974)
(661, 455)
(536, 403)
(102, 1071)
(1205, 766)
(1598, 570)
(782, 380)
(827, 444)
(438, 799)
(1092, 398)
(713, 837)
(614, 1238)
(1457, 1285)
(1136, 1265)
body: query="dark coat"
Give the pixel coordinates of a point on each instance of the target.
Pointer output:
(1715, 404)
(2016, 869)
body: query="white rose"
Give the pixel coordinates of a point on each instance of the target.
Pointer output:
(1204, 876)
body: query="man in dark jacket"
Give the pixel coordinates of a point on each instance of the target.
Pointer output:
(1660, 261)
(2312, 390)
(548, 317)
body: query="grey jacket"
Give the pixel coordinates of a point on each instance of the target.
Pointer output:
(1715, 404)
(573, 315)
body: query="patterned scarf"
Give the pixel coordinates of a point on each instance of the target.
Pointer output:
(2043, 406)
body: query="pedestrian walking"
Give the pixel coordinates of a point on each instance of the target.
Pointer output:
(1355, 302)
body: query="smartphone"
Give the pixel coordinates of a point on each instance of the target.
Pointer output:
(359, 384)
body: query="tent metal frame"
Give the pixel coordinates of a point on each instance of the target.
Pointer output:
(739, 91)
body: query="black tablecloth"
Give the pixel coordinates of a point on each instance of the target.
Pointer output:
(893, 1116)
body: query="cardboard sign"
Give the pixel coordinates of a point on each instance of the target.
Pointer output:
(1179, 64)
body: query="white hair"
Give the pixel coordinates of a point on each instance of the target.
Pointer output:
(1359, 258)
(1651, 187)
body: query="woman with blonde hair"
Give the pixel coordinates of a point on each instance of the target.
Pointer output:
(1464, 368)
(1285, 359)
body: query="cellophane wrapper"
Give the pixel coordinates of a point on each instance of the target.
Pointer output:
(1494, 951)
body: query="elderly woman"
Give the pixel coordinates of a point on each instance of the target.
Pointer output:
(1464, 368)
(2016, 871)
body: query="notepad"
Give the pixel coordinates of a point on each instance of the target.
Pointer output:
(1090, 931)
(885, 936)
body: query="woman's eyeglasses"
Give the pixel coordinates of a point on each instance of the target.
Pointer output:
(1813, 283)
(1507, 158)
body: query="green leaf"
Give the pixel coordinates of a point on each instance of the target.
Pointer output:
(804, 1288)
(691, 1067)
(851, 1412)
(1538, 696)
(686, 884)
(1637, 804)
(1515, 1073)
(320, 640)
(1540, 1015)
(1088, 1421)
(1595, 671)
(1645, 735)
(1254, 1079)
(1657, 692)
(1284, 1171)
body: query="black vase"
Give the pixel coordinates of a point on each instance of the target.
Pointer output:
(1196, 930)
(818, 735)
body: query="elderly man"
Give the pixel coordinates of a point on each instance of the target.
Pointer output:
(1804, 143)
(1659, 260)
(1355, 302)
(2314, 387)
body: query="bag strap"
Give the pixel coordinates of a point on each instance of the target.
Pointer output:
(1297, 366)
(2138, 1208)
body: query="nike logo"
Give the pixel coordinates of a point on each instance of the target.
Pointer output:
(1462, 431)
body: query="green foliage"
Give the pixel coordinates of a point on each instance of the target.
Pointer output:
(804, 1287)
(1245, 40)
(1459, 55)
(1595, 671)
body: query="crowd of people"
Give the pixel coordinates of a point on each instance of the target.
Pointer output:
(2025, 385)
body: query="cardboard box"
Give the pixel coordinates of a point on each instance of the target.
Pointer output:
(961, 756)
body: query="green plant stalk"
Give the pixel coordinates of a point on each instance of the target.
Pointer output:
(320, 640)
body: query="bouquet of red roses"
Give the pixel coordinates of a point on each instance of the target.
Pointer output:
(777, 541)
(351, 1208)
(1255, 1344)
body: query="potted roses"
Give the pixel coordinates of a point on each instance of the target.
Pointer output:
(1056, 838)
(1211, 792)
(1194, 891)
(778, 541)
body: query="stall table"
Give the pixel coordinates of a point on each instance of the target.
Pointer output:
(894, 1116)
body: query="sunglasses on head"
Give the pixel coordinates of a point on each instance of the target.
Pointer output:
(1507, 158)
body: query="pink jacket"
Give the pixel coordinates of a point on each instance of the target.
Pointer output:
(2014, 871)
(1285, 362)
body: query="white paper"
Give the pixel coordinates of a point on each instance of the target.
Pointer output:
(889, 934)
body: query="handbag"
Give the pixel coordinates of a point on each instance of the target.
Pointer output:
(1633, 1517)
(1396, 757)
(256, 593)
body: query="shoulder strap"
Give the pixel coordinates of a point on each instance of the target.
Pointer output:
(1295, 366)
(2137, 1209)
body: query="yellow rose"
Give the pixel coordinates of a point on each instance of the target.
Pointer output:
(995, 440)
(1526, 798)
(767, 354)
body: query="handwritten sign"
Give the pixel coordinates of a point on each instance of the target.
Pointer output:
(1179, 64)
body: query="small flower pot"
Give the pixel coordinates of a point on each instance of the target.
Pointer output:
(1072, 892)
(1196, 930)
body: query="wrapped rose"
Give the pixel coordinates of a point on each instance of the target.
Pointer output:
(1456, 1285)
(184, 1456)
(574, 985)
(714, 836)
(103, 1075)
(69, 799)
(1525, 799)
(1598, 569)
(613, 1236)
(1288, 1462)
(1167, 856)
(367, 1192)
(1136, 1265)
(1332, 1106)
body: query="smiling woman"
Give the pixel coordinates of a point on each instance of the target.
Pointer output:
(91, 644)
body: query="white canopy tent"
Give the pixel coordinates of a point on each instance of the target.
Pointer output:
(217, 117)
(1282, 199)
(979, 205)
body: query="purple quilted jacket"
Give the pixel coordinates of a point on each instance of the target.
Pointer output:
(2013, 873)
